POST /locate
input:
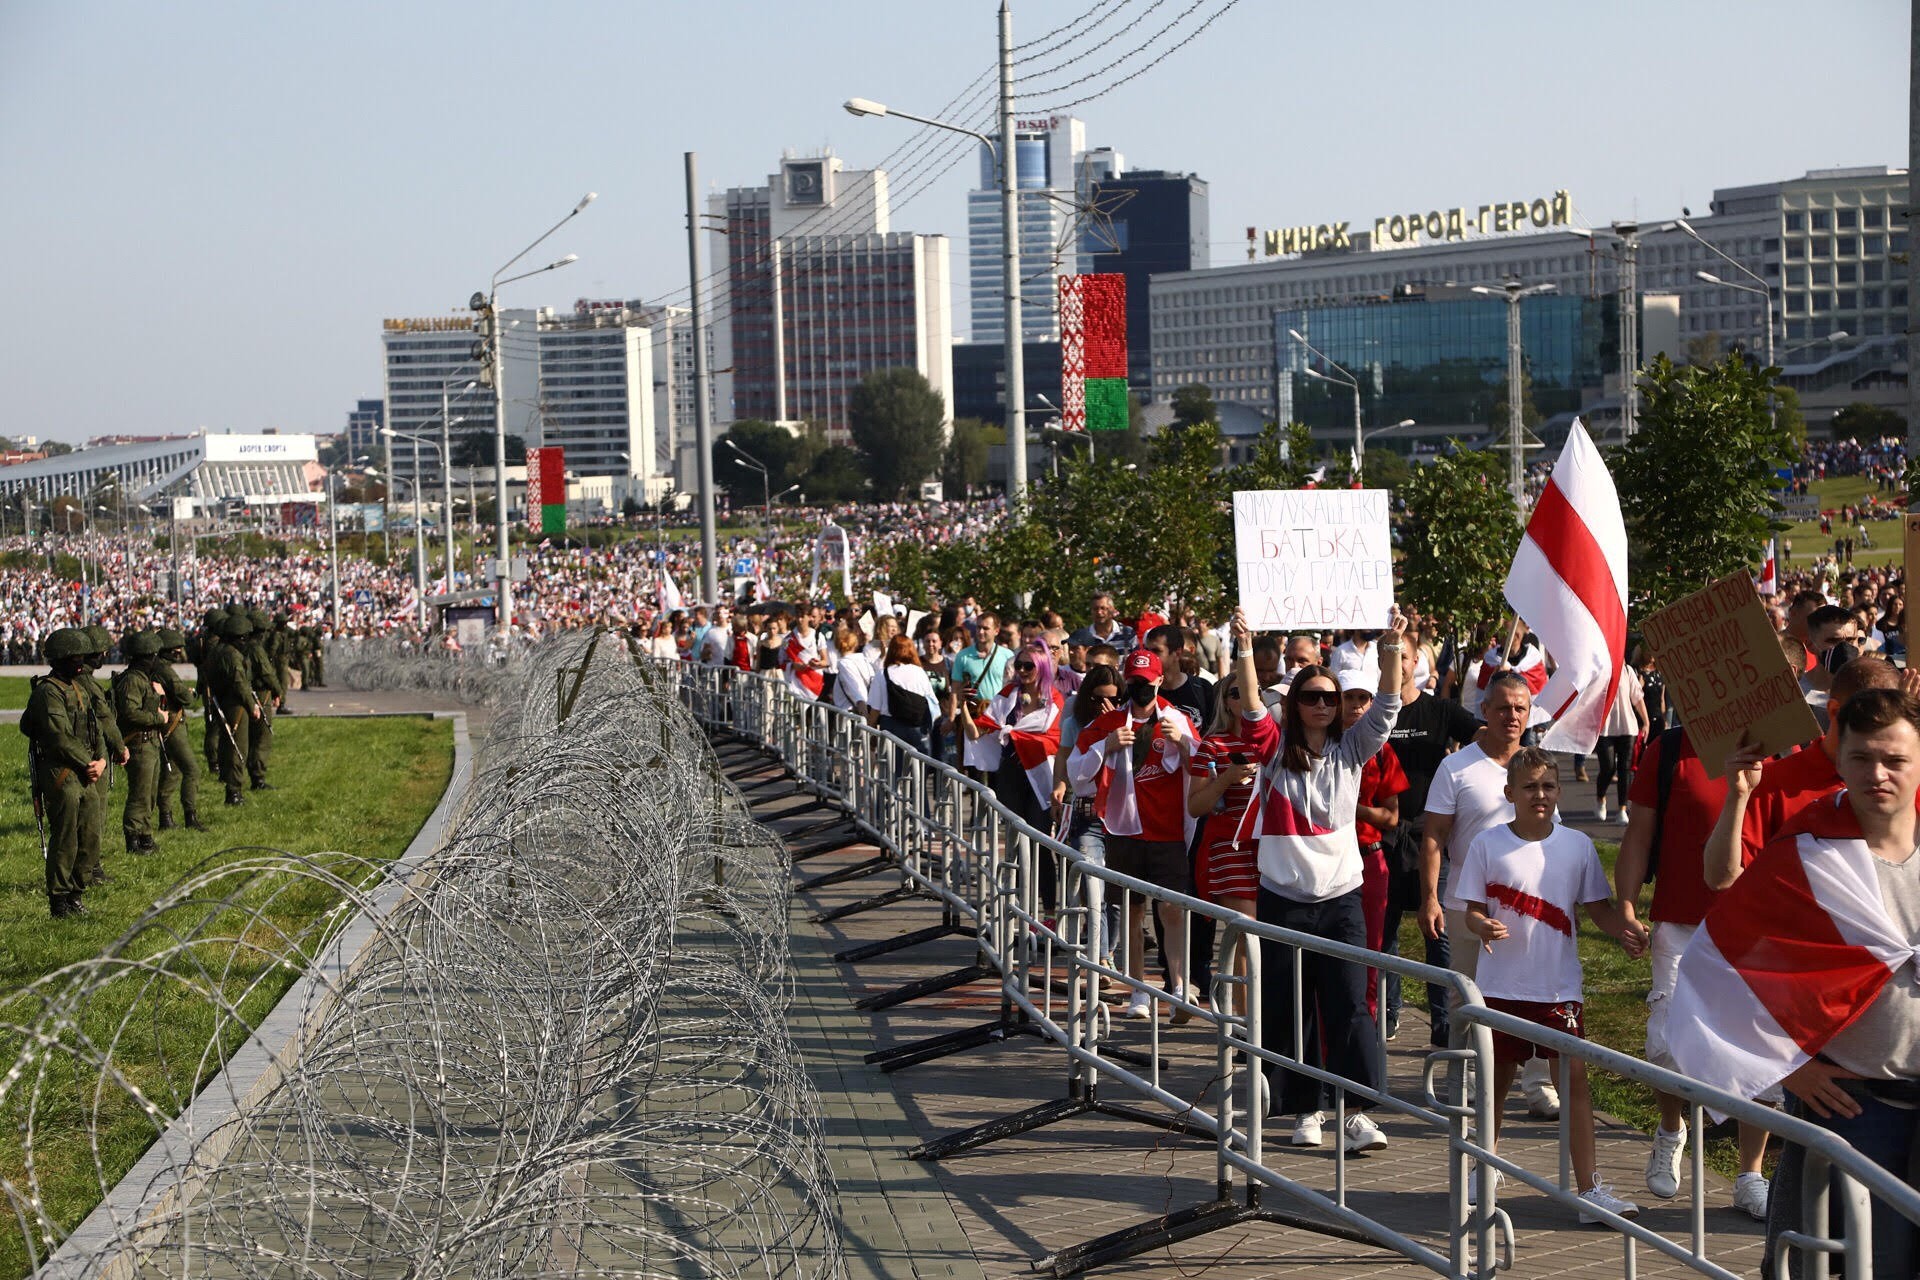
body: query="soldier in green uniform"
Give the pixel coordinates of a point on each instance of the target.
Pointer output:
(100, 644)
(317, 663)
(268, 693)
(138, 706)
(179, 774)
(209, 637)
(226, 681)
(67, 753)
(280, 645)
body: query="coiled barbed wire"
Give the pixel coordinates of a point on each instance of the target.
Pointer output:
(563, 1052)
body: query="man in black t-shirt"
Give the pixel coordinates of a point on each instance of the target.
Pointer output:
(1193, 696)
(1426, 730)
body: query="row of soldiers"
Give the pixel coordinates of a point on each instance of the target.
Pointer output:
(78, 730)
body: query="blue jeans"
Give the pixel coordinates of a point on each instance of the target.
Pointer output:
(1088, 838)
(1887, 1135)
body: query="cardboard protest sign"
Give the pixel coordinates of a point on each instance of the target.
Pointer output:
(1314, 559)
(1725, 671)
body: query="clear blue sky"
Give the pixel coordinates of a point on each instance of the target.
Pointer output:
(208, 206)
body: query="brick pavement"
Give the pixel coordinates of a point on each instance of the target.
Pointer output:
(1025, 1197)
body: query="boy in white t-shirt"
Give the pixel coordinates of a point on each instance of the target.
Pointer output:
(1523, 883)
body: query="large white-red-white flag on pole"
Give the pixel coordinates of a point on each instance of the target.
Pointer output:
(1768, 583)
(670, 597)
(1569, 581)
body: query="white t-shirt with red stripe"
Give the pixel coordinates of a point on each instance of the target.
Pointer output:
(1536, 888)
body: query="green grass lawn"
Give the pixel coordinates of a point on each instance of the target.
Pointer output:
(362, 787)
(14, 691)
(1833, 494)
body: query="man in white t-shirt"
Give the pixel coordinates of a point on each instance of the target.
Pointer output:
(1469, 795)
(1355, 656)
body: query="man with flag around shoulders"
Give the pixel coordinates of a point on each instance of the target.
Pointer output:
(1803, 974)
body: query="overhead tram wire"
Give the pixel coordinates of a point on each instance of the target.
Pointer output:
(1105, 8)
(1084, 54)
(1135, 52)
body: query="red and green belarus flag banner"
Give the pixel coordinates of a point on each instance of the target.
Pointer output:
(1093, 352)
(547, 489)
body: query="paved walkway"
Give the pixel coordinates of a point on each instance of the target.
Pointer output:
(1026, 1197)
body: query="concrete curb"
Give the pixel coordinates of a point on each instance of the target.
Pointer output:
(152, 1188)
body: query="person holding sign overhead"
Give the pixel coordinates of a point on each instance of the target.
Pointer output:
(1310, 880)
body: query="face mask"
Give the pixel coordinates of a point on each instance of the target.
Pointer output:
(1140, 693)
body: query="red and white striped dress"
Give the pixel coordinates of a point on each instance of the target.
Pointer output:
(1227, 865)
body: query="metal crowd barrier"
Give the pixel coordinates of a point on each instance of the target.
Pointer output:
(950, 840)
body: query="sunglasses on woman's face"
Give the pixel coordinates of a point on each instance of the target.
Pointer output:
(1024, 666)
(1319, 698)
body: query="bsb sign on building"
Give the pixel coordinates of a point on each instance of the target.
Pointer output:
(1402, 230)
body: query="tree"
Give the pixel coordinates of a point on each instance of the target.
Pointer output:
(1193, 405)
(1459, 537)
(1497, 420)
(1704, 349)
(1787, 412)
(475, 449)
(1696, 480)
(836, 476)
(1275, 467)
(773, 447)
(896, 420)
(1385, 469)
(55, 448)
(1863, 421)
(963, 468)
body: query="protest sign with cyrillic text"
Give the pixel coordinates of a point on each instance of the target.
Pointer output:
(1314, 559)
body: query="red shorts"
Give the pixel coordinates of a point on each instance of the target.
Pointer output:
(1563, 1017)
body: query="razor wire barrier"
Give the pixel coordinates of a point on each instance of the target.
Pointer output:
(471, 677)
(948, 840)
(560, 1050)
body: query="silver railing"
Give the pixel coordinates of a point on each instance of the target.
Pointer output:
(949, 839)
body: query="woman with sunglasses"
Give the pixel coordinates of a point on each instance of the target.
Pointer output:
(1310, 881)
(1025, 716)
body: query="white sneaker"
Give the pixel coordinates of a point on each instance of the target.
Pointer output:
(1600, 810)
(1363, 1134)
(1306, 1129)
(1750, 1194)
(1621, 817)
(1663, 1162)
(1140, 1006)
(1600, 1196)
(1473, 1186)
(1543, 1102)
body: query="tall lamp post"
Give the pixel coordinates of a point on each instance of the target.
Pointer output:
(1514, 292)
(446, 461)
(493, 351)
(766, 484)
(1002, 154)
(446, 515)
(333, 541)
(1359, 438)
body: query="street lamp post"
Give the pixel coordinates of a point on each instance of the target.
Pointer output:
(766, 483)
(486, 304)
(1002, 153)
(446, 467)
(333, 541)
(1513, 291)
(1359, 438)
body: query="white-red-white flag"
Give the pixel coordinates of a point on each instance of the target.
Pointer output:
(1768, 583)
(670, 598)
(1787, 957)
(760, 590)
(1569, 581)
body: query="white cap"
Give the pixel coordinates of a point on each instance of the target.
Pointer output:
(1352, 679)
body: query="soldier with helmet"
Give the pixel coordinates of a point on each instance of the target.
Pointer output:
(226, 681)
(209, 640)
(268, 694)
(99, 644)
(138, 706)
(179, 774)
(67, 755)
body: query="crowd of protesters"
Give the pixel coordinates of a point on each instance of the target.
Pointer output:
(1339, 783)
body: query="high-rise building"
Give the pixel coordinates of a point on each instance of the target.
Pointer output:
(596, 392)
(1825, 244)
(425, 354)
(1048, 171)
(818, 292)
(1142, 223)
(363, 426)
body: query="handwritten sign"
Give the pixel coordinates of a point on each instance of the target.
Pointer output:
(1725, 670)
(1314, 559)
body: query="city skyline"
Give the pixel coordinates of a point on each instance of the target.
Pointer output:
(242, 194)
